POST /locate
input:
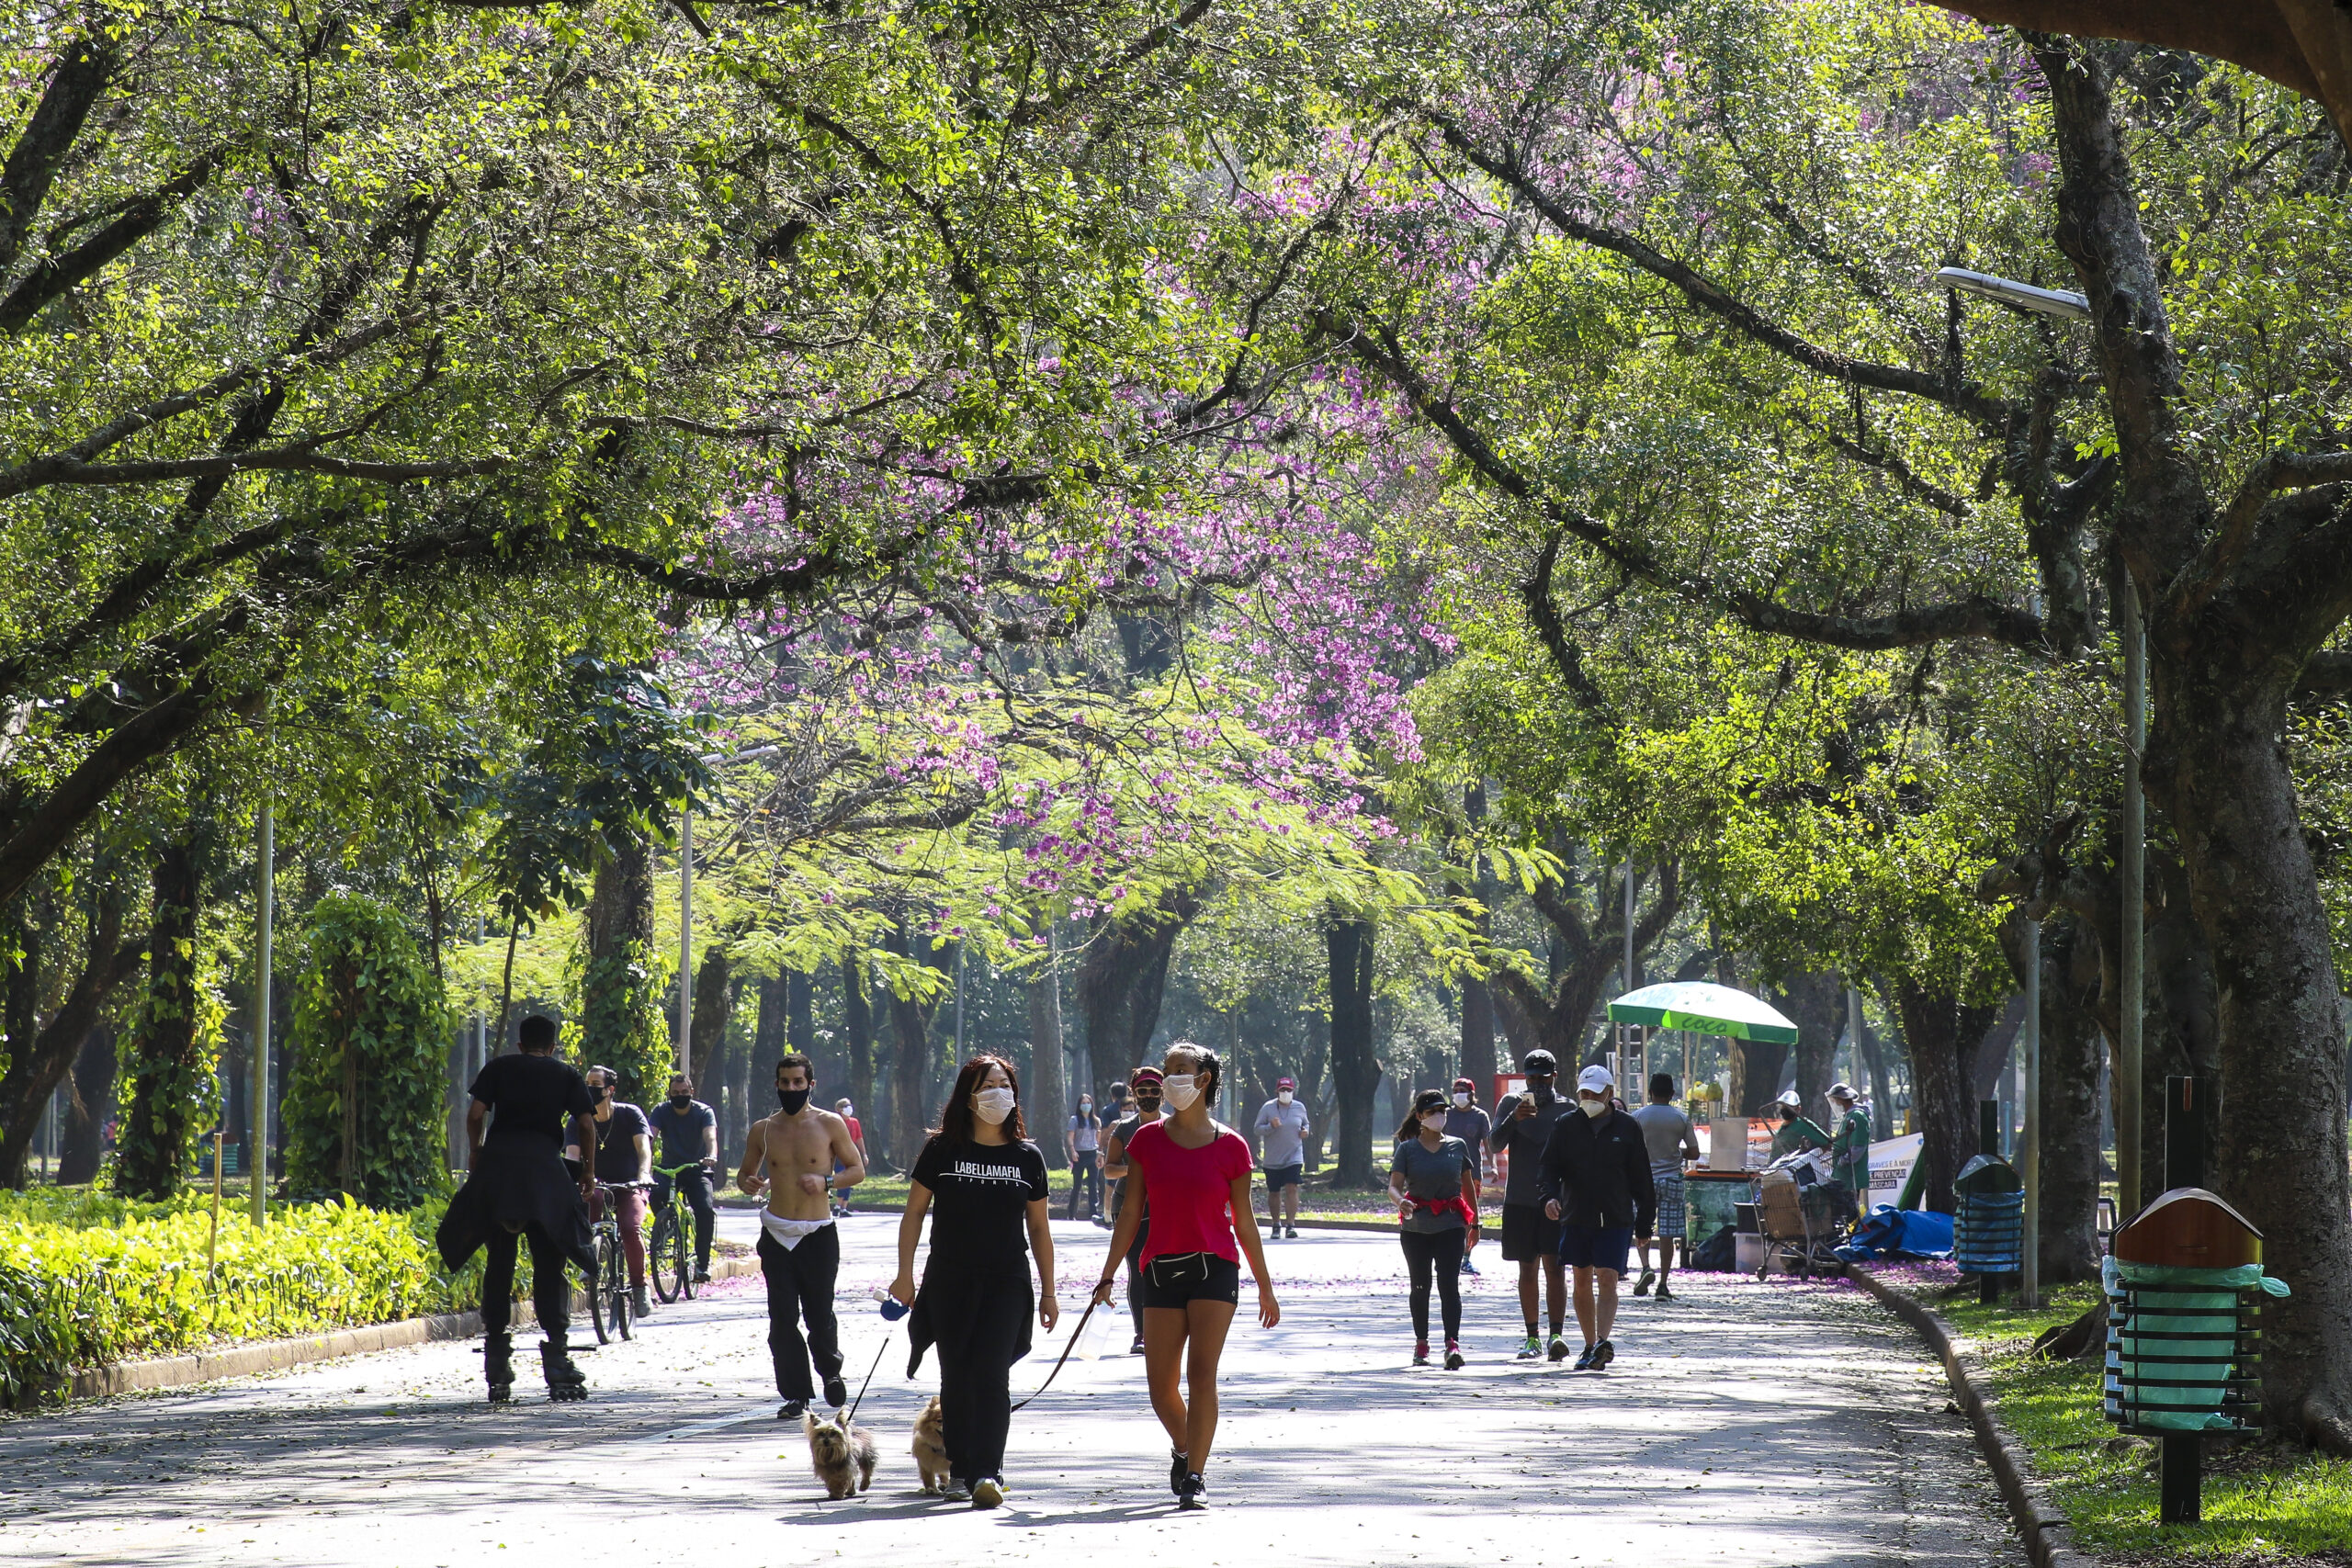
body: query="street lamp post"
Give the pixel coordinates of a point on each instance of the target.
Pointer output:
(2072, 306)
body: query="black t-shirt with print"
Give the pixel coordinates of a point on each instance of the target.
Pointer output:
(530, 1096)
(980, 1195)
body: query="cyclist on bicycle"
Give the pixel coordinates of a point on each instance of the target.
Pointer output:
(625, 1161)
(689, 1133)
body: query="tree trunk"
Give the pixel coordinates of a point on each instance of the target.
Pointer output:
(1990, 1061)
(1941, 1032)
(911, 1064)
(800, 1016)
(1052, 1102)
(620, 1003)
(714, 1010)
(1478, 995)
(857, 1033)
(167, 1069)
(2068, 1122)
(84, 1146)
(1757, 1067)
(2281, 1153)
(1122, 977)
(1355, 1073)
(1818, 1003)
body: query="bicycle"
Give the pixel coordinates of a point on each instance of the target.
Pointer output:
(608, 1287)
(670, 1250)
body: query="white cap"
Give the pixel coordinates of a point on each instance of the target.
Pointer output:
(1596, 1078)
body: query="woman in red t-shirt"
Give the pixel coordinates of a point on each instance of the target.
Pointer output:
(1195, 1180)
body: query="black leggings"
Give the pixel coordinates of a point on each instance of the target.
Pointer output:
(1438, 1251)
(550, 1285)
(975, 1378)
(1086, 1173)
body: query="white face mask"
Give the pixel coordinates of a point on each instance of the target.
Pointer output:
(1434, 1121)
(1461, 1101)
(1593, 1107)
(992, 1105)
(1282, 1095)
(1179, 1090)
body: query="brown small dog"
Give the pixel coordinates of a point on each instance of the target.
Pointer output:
(931, 1446)
(843, 1459)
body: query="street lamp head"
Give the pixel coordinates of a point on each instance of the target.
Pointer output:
(2009, 291)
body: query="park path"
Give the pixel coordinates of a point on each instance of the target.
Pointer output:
(1745, 1423)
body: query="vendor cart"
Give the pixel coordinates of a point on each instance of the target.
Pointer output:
(1799, 1216)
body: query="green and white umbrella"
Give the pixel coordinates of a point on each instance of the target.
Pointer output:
(1703, 1010)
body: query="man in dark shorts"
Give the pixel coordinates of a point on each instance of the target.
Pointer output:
(1143, 1089)
(1283, 1125)
(688, 1131)
(518, 1190)
(1523, 1125)
(1596, 1174)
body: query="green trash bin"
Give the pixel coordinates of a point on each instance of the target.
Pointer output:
(2184, 1346)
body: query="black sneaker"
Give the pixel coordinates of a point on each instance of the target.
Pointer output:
(1453, 1356)
(702, 1276)
(1602, 1354)
(1584, 1362)
(1136, 1348)
(792, 1410)
(1177, 1472)
(1643, 1288)
(836, 1391)
(1291, 1233)
(1189, 1494)
(1663, 1294)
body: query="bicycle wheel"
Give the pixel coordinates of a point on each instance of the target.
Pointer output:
(665, 1233)
(596, 1276)
(682, 1247)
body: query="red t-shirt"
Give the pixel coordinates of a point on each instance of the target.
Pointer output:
(1190, 1191)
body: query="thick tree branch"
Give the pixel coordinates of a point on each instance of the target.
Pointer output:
(84, 68)
(1975, 615)
(57, 275)
(1964, 398)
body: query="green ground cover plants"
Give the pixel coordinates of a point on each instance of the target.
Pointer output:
(2263, 1501)
(87, 1278)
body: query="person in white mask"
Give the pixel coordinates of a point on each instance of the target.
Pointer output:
(1195, 1176)
(1281, 1128)
(1594, 1178)
(988, 1183)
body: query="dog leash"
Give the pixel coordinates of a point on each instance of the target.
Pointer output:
(1066, 1350)
(887, 1317)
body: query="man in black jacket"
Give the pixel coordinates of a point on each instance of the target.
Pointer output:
(1596, 1182)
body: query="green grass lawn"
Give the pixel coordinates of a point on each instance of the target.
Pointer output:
(2262, 1499)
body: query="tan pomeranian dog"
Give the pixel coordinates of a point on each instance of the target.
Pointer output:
(931, 1446)
(843, 1459)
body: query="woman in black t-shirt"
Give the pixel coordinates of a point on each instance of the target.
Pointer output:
(987, 1183)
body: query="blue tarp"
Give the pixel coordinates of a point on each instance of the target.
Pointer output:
(1899, 1235)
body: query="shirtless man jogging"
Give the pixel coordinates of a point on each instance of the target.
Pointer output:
(797, 1155)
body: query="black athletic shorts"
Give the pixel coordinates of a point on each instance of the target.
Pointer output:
(1527, 1234)
(1223, 1284)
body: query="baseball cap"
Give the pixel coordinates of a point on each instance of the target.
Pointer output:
(1538, 1062)
(1147, 1075)
(1286, 1083)
(1463, 1083)
(1596, 1079)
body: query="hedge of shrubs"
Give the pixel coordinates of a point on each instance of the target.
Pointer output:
(86, 1278)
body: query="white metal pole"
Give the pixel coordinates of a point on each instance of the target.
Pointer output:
(2029, 1165)
(685, 939)
(257, 1080)
(2127, 1131)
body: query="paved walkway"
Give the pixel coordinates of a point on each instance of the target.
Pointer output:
(1745, 1424)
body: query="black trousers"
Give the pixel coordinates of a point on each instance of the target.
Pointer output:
(800, 1287)
(694, 1182)
(976, 1380)
(1087, 1172)
(1438, 1252)
(550, 1285)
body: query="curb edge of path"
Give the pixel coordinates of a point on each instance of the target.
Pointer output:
(279, 1354)
(2049, 1538)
